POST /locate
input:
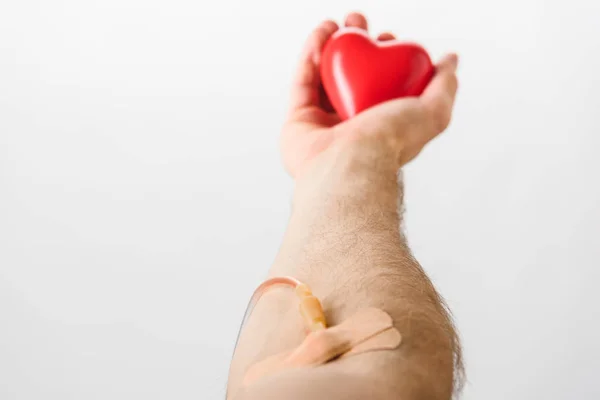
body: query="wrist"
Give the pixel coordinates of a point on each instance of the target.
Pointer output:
(359, 174)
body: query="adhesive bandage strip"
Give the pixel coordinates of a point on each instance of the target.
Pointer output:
(368, 330)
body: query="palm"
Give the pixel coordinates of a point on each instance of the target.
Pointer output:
(302, 134)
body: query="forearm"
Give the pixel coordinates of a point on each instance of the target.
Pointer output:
(343, 240)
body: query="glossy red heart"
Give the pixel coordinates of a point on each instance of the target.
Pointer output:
(359, 72)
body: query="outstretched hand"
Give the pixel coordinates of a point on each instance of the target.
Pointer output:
(405, 125)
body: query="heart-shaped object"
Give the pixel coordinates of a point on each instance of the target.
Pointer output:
(359, 72)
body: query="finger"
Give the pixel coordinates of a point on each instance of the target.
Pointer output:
(438, 97)
(356, 20)
(305, 89)
(385, 37)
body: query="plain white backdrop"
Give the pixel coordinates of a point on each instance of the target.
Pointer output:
(142, 198)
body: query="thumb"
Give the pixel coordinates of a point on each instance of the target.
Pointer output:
(438, 97)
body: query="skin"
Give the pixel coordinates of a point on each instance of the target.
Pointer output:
(343, 240)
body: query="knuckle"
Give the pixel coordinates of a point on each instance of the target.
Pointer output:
(440, 114)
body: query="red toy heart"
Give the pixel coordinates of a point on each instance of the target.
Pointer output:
(358, 72)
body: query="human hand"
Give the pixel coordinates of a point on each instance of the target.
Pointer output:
(404, 125)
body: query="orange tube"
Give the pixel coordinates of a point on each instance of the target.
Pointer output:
(310, 307)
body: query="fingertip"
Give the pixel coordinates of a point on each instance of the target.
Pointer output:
(449, 61)
(385, 36)
(329, 26)
(356, 20)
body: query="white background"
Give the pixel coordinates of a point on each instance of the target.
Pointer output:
(142, 197)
